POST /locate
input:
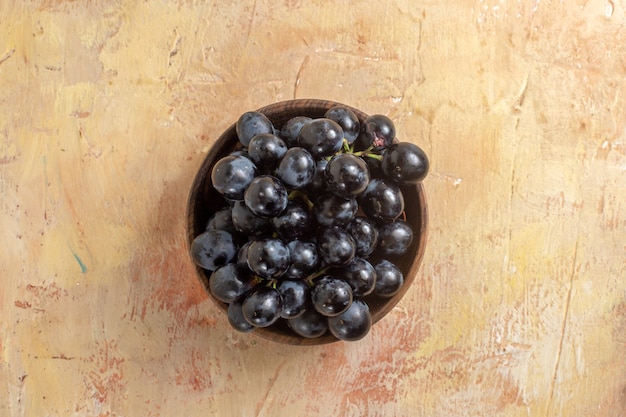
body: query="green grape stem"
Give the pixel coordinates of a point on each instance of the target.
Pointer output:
(302, 196)
(374, 156)
(311, 278)
(346, 146)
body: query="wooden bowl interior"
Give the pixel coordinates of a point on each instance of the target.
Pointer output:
(203, 203)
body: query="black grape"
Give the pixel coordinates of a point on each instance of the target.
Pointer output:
(309, 324)
(229, 282)
(213, 248)
(297, 168)
(251, 124)
(345, 118)
(296, 296)
(382, 200)
(266, 196)
(268, 258)
(389, 279)
(231, 175)
(236, 318)
(331, 296)
(353, 324)
(262, 306)
(405, 163)
(322, 137)
(394, 238)
(347, 175)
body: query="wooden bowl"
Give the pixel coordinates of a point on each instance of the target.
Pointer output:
(202, 205)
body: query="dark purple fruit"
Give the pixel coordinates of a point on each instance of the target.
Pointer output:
(389, 279)
(405, 163)
(332, 210)
(268, 258)
(266, 150)
(212, 249)
(304, 257)
(291, 129)
(347, 175)
(293, 222)
(296, 296)
(251, 124)
(382, 200)
(365, 234)
(322, 137)
(309, 324)
(345, 118)
(266, 196)
(335, 246)
(353, 324)
(262, 307)
(394, 238)
(236, 318)
(229, 282)
(231, 175)
(359, 274)
(377, 132)
(297, 168)
(331, 296)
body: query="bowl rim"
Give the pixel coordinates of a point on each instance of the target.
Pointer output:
(279, 113)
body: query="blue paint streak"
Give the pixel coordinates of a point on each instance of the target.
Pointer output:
(83, 267)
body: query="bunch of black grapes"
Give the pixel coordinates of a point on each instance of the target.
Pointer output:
(310, 222)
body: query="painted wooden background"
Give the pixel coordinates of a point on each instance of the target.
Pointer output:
(107, 108)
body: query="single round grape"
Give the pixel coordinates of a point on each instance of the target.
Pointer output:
(331, 296)
(309, 324)
(353, 324)
(304, 257)
(251, 124)
(382, 200)
(394, 238)
(335, 246)
(389, 279)
(291, 129)
(266, 150)
(222, 220)
(212, 249)
(248, 223)
(345, 118)
(236, 318)
(347, 175)
(365, 234)
(405, 163)
(229, 282)
(268, 258)
(297, 168)
(293, 222)
(266, 196)
(377, 132)
(231, 175)
(331, 210)
(296, 295)
(322, 137)
(359, 274)
(262, 306)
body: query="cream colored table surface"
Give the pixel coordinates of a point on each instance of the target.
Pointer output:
(107, 108)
